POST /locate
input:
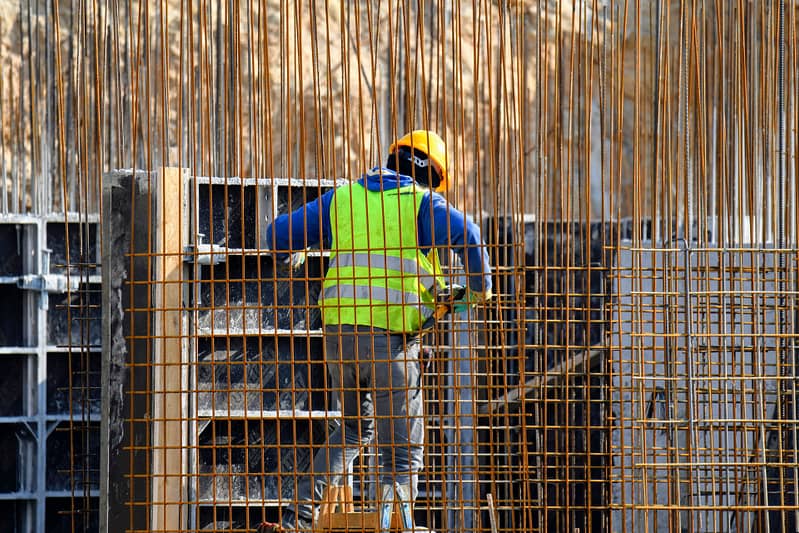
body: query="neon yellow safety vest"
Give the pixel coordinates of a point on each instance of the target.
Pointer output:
(377, 276)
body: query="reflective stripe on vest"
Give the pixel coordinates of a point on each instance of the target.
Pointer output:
(384, 262)
(369, 295)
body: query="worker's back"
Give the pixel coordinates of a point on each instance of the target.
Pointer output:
(377, 275)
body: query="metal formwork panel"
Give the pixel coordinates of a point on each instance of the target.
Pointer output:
(258, 375)
(51, 359)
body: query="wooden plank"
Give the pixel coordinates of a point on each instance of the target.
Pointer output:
(337, 513)
(169, 429)
(367, 521)
(569, 367)
(358, 521)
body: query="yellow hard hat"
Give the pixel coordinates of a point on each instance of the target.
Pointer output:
(431, 144)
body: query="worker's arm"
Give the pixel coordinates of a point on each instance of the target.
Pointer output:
(440, 225)
(306, 226)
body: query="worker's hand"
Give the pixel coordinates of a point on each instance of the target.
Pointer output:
(296, 260)
(471, 299)
(290, 263)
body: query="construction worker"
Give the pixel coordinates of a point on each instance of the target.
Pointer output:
(379, 289)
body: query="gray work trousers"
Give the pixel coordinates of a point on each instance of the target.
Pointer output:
(377, 379)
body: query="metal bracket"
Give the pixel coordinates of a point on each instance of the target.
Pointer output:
(48, 283)
(45, 283)
(204, 254)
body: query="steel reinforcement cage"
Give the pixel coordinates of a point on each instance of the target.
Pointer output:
(609, 386)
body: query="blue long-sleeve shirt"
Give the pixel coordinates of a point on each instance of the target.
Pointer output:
(447, 228)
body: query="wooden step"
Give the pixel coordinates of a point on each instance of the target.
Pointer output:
(337, 513)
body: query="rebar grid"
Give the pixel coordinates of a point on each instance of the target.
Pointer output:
(698, 383)
(632, 166)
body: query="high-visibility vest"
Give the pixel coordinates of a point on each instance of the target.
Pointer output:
(377, 276)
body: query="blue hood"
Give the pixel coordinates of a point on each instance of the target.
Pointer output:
(389, 179)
